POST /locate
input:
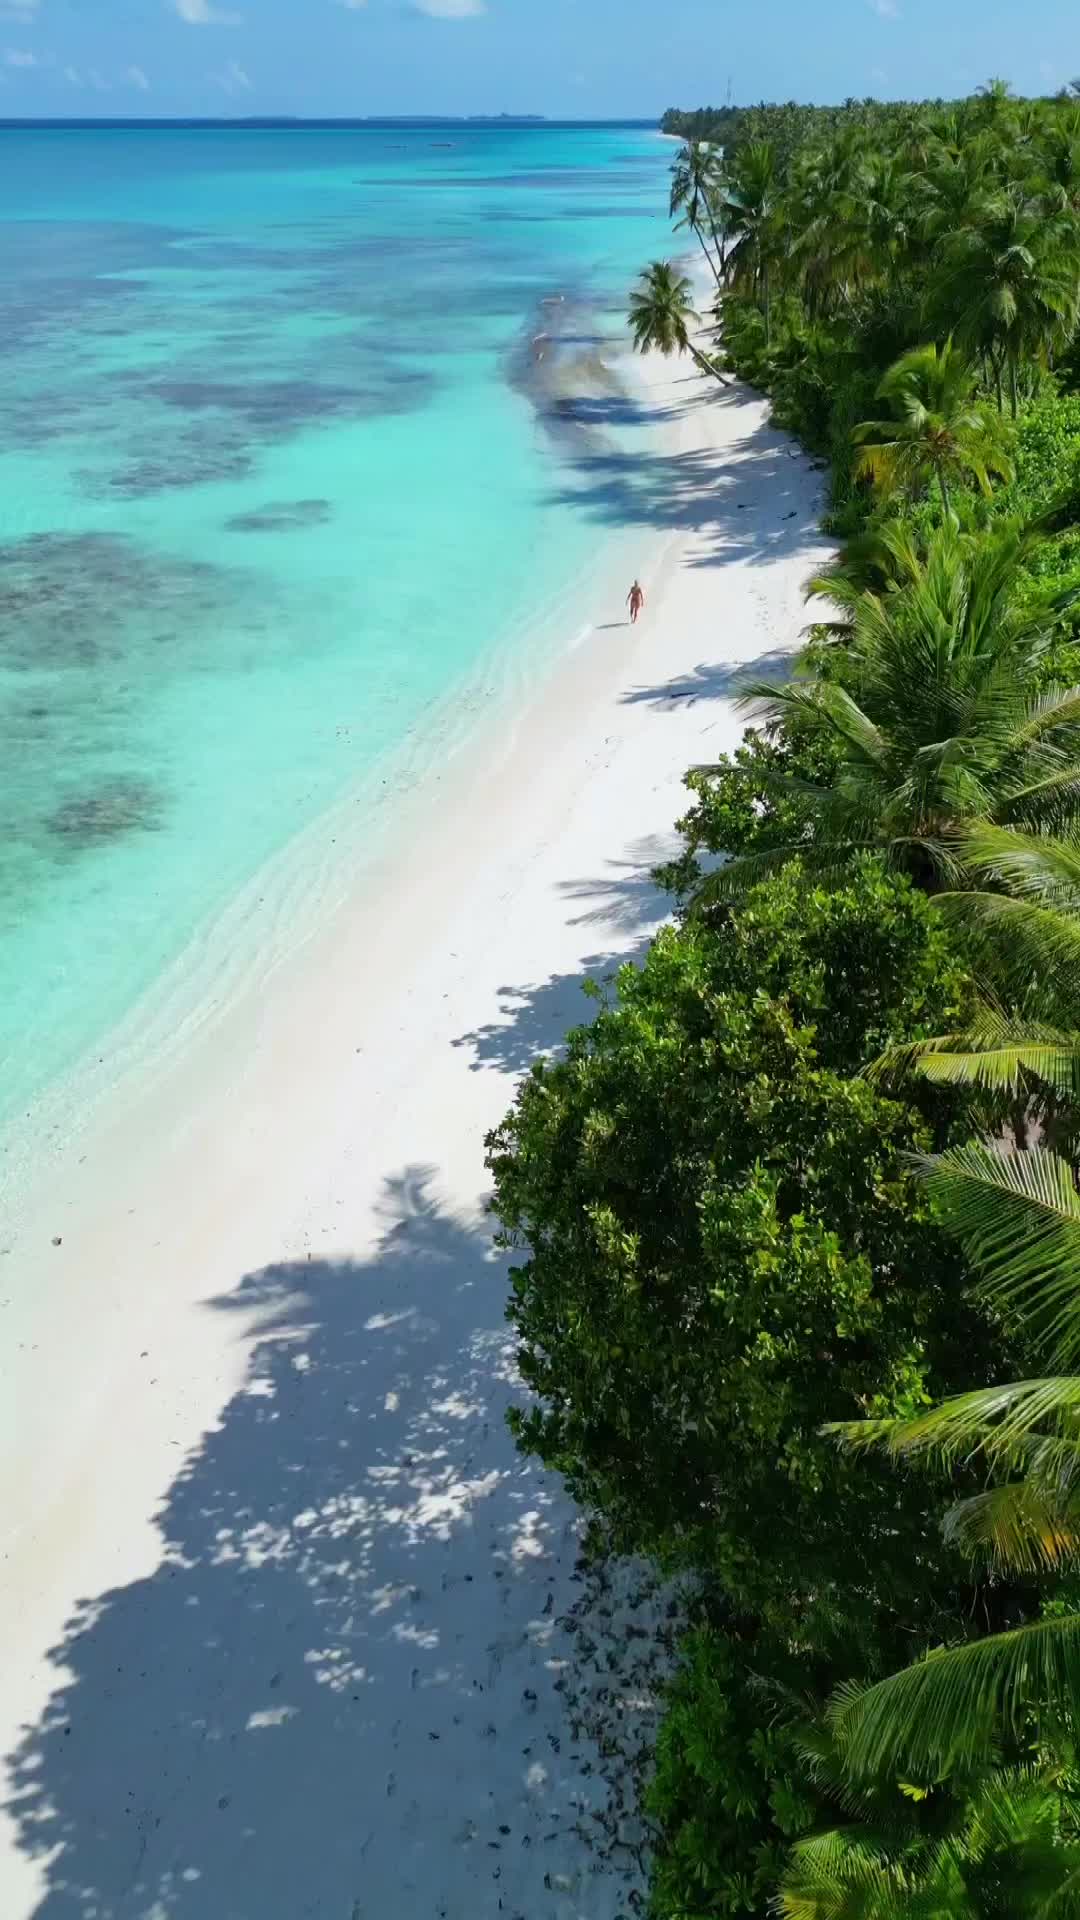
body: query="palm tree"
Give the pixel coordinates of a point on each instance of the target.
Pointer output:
(1061, 166)
(938, 430)
(956, 179)
(948, 723)
(826, 211)
(1019, 920)
(994, 99)
(1018, 1215)
(695, 189)
(662, 314)
(1010, 284)
(1008, 1849)
(749, 213)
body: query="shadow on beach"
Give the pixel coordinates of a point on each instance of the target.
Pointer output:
(754, 500)
(714, 680)
(297, 1712)
(370, 1677)
(535, 1017)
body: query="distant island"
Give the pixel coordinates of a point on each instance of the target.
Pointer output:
(271, 121)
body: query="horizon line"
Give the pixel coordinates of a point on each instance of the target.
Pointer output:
(327, 120)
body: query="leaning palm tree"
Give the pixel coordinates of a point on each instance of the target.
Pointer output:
(662, 315)
(696, 188)
(938, 430)
(946, 723)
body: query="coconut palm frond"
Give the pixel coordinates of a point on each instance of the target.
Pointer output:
(1030, 866)
(1030, 953)
(1032, 1425)
(1018, 1216)
(947, 1711)
(1021, 1527)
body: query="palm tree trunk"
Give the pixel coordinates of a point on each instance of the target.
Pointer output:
(718, 241)
(997, 382)
(705, 365)
(765, 286)
(709, 258)
(945, 507)
(1012, 385)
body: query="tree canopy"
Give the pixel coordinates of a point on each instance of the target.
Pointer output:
(794, 1223)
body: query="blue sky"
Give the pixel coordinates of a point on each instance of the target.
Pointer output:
(574, 58)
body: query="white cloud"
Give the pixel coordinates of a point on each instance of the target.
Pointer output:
(24, 11)
(450, 9)
(96, 80)
(135, 77)
(354, 6)
(73, 76)
(15, 57)
(885, 9)
(200, 13)
(232, 79)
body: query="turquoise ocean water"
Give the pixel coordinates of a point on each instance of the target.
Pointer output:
(286, 452)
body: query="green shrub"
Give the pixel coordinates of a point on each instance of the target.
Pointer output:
(726, 1247)
(741, 807)
(730, 1790)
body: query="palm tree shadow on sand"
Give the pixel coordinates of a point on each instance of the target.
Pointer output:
(335, 1694)
(535, 1017)
(757, 499)
(715, 680)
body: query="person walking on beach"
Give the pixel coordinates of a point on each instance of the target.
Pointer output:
(635, 600)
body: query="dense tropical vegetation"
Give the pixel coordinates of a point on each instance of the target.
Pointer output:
(797, 1218)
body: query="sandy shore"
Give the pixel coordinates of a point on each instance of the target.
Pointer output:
(288, 1628)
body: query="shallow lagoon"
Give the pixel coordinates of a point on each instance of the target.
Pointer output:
(275, 481)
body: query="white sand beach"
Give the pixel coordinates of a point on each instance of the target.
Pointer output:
(287, 1627)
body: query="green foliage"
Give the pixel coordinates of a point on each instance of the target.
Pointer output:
(751, 1788)
(662, 310)
(1046, 488)
(886, 230)
(726, 1247)
(938, 429)
(787, 125)
(731, 1790)
(935, 716)
(726, 1242)
(1009, 1851)
(951, 718)
(744, 804)
(662, 316)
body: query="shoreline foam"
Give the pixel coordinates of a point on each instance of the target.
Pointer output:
(285, 1617)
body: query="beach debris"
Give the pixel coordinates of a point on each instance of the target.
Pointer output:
(58, 1239)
